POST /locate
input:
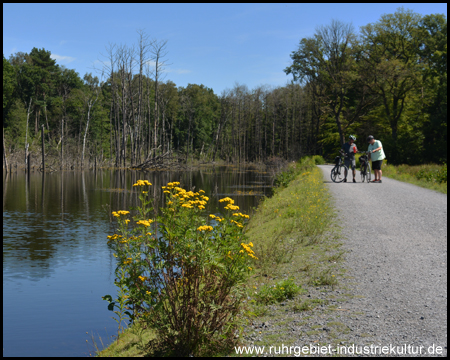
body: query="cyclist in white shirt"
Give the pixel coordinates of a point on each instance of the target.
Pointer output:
(377, 156)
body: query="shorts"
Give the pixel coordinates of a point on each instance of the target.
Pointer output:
(376, 165)
(353, 163)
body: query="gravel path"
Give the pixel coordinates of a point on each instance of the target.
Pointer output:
(396, 237)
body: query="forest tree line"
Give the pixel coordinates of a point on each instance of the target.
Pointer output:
(388, 80)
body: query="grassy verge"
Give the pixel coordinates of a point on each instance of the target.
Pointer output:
(430, 176)
(132, 343)
(296, 240)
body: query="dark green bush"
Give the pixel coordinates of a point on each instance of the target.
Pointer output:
(318, 160)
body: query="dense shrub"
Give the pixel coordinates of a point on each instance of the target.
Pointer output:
(318, 160)
(182, 273)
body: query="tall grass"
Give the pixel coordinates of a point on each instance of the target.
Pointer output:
(297, 246)
(298, 213)
(430, 176)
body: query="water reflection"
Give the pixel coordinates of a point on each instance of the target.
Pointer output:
(56, 264)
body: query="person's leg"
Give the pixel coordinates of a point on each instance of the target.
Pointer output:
(376, 174)
(347, 164)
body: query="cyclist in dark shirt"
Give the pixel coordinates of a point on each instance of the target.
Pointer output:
(350, 150)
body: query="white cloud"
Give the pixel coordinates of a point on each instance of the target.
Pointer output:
(167, 69)
(62, 42)
(150, 63)
(60, 58)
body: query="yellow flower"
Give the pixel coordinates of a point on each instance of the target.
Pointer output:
(127, 221)
(148, 292)
(205, 228)
(232, 207)
(144, 222)
(166, 192)
(170, 203)
(142, 278)
(212, 216)
(142, 183)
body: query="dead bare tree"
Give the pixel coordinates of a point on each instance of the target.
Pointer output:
(29, 111)
(143, 49)
(90, 99)
(159, 53)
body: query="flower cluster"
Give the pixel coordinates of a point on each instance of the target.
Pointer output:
(205, 228)
(247, 248)
(144, 222)
(241, 215)
(238, 224)
(187, 199)
(230, 205)
(212, 216)
(142, 183)
(120, 212)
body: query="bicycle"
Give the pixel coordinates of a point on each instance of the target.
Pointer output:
(339, 170)
(365, 166)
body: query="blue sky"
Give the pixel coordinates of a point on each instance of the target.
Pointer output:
(212, 44)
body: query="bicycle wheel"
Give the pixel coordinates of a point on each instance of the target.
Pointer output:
(363, 173)
(368, 174)
(338, 173)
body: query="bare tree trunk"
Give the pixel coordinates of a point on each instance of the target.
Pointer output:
(91, 104)
(159, 52)
(26, 131)
(43, 151)
(4, 152)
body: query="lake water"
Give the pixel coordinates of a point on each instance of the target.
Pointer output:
(56, 263)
